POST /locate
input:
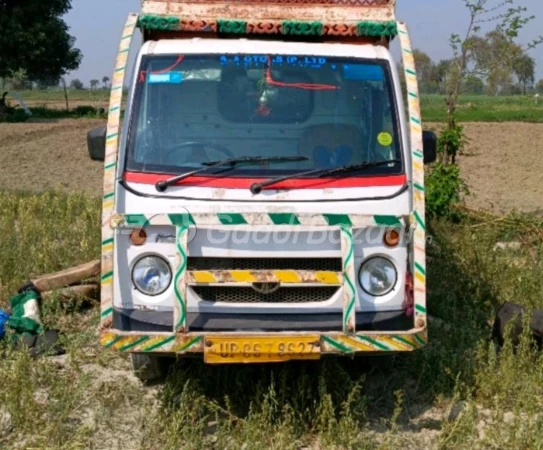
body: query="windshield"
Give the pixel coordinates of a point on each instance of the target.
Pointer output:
(331, 112)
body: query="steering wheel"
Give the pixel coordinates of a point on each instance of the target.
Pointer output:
(220, 148)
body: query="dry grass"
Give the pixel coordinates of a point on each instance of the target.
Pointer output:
(89, 399)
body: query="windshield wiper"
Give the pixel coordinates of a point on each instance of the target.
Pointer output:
(162, 185)
(257, 188)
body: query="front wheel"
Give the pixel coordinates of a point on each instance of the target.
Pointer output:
(149, 367)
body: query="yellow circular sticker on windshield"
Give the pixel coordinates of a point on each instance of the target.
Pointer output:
(385, 139)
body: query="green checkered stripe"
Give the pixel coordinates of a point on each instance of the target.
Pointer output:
(253, 219)
(418, 217)
(332, 343)
(110, 165)
(349, 289)
(180, 287)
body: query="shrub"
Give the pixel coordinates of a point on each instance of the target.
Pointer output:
(445, 188)
(17, 116)
(444, 184)
(84, 111)
(87, 111)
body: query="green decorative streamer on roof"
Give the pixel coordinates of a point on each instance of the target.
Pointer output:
(232, 26)
(296, 28)
(375, 29)
(303, 28)
(161, 23)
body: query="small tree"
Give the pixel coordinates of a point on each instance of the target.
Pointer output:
(94, 84)
(77, 84)
(470, 59)
(539, 87)
(106, 81)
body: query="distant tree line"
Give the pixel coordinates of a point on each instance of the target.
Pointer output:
(18, 81)
(514, 76)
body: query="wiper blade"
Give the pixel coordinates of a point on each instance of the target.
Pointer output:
(356, 167)
(162, 185)
(257, 188)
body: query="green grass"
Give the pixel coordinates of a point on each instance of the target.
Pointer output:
(482, 108)
(89, 399)
(57, 95)
(43, 233)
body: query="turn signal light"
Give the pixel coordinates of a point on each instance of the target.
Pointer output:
(138, 236)
(391, 238)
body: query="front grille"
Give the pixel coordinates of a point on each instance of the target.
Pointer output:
(311, 264)
(234, 294)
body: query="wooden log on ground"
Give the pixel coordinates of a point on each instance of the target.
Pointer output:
(87, 291)
(67, 277)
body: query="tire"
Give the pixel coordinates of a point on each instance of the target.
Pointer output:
(149, 367)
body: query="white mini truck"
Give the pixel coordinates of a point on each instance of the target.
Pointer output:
(264, 200)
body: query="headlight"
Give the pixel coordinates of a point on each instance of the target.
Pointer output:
(151, 275)
(378, 276)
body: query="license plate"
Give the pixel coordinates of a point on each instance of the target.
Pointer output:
(231, 350)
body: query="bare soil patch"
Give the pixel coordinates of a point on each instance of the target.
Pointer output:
(499, 166)
(49, 154)
(503, 167)
(501, 163)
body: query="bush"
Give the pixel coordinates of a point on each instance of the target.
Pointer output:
(17, 116)
(445, 188)
(88, 112)
(444, 184)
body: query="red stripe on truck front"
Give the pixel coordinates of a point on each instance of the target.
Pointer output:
(245, 183)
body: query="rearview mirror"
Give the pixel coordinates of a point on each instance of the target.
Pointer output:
(429, 146)
(96, 143)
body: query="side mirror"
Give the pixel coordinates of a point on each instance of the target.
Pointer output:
(96, 143)
(429, 146)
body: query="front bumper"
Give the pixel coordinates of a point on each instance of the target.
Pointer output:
(137, 331)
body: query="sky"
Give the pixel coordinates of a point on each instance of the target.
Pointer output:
(97, 24)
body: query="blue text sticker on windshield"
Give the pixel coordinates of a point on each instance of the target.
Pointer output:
(363, 72)
(165, 78)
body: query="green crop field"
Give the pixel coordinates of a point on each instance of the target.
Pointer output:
(482, 108)
(57, 95)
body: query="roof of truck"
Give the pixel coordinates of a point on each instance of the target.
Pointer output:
(246, 46)
(335, 18)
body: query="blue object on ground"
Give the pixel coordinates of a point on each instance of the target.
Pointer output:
(4, 317)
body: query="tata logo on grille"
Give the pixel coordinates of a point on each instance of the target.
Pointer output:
(266, 288)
